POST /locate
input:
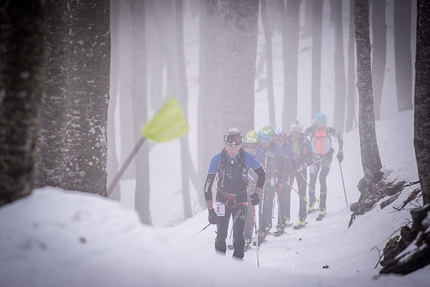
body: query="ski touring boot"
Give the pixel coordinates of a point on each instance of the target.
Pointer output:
(247, 245)
(280, 228)
(311, 206)
(261, 237)
(302, 222)
(322, 213)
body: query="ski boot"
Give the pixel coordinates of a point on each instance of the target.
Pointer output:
(280, 230)
(302, 222)
(311, 206)
(268, 227)
(322, 213)
(247, 245)
(261, 237)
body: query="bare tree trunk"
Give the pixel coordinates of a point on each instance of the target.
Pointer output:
(183, 97)
(22, 27)
(379, 29)
(316, 56)
(50, 155)
(113, 164)
(86, 154)
(370, 159)
(142, 192)
(307, 29)
(403, 54)
(422, 98)
(291, 59)
(240, 55)
(350, 113)
(339, 68)
(269, 66)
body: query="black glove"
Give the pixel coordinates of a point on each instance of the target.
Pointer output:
(340, 156)
(255, 199)
(213, 217)
(301, 167)
(293, 164)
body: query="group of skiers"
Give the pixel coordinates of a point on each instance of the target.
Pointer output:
(262, 165)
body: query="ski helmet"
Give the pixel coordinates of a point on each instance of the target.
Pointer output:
(251, 137)
(233, 136)
(296, 126)
(320, 118)
(265, 134)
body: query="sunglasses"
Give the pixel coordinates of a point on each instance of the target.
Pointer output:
(250, 145)
(233, 139)
(265, 138)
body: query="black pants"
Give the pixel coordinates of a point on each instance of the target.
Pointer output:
(235, 208)
(321, 167)
(266, 206)
(285, 205)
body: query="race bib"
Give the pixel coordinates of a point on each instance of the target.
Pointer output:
(219, 208)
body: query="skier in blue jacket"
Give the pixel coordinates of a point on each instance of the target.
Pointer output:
(231, 168)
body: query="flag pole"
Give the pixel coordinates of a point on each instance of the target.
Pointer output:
(125, 165)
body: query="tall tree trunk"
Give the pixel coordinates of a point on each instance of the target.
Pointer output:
(402, 53)
(113, 164)
(339, 68)
(142, 192)
(241, 22)
(370, 159)
(22, 27)
(212, 67)
(422, 98)
(317, 11)
(183, 97)
(291, 59)
(350, 113)
(307, 29)
(50, 155)
(86, 154)
(269, 66)
(379, 28)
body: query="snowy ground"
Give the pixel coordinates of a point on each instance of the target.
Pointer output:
(59, 238)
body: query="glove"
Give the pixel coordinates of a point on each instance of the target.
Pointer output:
(293, 164)
(255, 199)
(340, 156)
(213, 217)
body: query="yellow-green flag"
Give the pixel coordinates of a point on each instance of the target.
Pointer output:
(167, 124)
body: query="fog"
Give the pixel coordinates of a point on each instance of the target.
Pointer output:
(160, 84)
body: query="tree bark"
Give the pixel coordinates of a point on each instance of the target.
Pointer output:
(422, 98)
(291, 55)
(339, 68)
(351, 98)
(316, 56)
(403, 54)
(50, 155)
(379, 28)
(22, 27)
(86, 149)
(370, 159)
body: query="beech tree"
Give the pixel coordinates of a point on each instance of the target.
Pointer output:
(370, 158)
(22, 26)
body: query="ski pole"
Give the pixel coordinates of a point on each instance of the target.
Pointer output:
(310, 188)
(343, 183)
(256, 235)
(202, 229)
(305, 198)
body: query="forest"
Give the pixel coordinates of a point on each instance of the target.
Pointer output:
(78, 79)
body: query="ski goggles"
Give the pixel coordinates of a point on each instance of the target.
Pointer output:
(250, 145)
(265, 138)
(233, 139)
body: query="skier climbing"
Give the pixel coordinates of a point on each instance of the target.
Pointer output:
(231, 167)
